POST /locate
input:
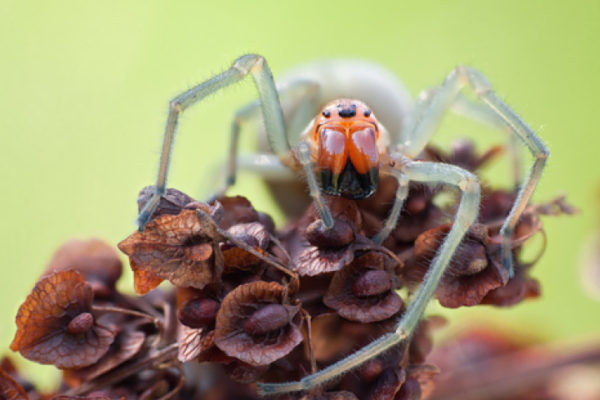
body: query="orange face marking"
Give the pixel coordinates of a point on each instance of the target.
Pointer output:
(345, 149)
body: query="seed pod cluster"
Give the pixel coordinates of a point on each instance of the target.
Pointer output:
(248, 302)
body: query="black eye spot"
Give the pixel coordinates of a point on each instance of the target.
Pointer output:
(367, 112)
(347, 112)
(326, 113)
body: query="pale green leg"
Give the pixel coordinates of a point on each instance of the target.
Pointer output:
(392, 219)
(423, 126)
(298, 103)
(271, 110)
(465, 216)
(313, 186)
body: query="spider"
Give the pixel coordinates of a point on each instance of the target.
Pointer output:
(345, 148)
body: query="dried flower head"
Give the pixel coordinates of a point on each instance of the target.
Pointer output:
(97, 261)
(363, 290)
(173, 247)
(10, 389)
(55, 324)
(255, 325)
(472, 273)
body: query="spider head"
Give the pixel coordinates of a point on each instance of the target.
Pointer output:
(345, 145)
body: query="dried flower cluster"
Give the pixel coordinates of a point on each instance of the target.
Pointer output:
(253, 303)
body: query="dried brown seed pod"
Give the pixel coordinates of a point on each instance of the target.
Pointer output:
(470, 276)
(463, 154)
(237, 210)
(173, 247)
(97, 261)
(199, 312)
(363, 291)
(255, 235)
(127, 344)
(171, 202)
(10, 389)
(519, 288)
(193, 341)
(244, 328)
(43, 321)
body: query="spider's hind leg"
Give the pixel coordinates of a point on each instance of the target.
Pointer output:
(430, 114)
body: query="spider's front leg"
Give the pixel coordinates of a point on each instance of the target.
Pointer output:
(252, 64)
(430, 114)
(465, 216)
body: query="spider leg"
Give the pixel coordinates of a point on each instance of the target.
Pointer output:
(392, 219)
(297, 99)
(479, 112)
(465, 216)
(313, 186)
(252, 64)
(431, 114)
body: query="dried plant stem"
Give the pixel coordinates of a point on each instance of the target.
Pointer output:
(154, 320)
(166, 354)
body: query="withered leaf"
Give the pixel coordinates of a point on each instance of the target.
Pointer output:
(43, 319)
(238, 307)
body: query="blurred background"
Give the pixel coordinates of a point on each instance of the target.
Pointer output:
(84, 89)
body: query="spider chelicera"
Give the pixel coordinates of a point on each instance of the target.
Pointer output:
(345, 148)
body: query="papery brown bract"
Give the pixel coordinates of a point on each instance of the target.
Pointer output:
(342, 295)
(173, 247)
(255, 235)
(127, 344)
(97, 261)
(316, 250)
(472, 273)
(44, 317)
(255, 348)
(10, 389)
(171, 202)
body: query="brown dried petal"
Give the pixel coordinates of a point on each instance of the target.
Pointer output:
(342, 296)
(516, 290)
(254, 235)
(387, 384)
(319, 235)
(237, 308)
(172, 202)
(97, 261)
(173, 247)
(238, 210)
(9, 389)
(43, 318)
(144, 281)
(126, 345)
(470, 278)
(192, 342)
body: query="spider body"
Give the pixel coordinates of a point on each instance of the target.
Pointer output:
(346, 143)
(344, 151)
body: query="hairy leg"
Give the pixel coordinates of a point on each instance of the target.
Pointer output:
(254, 65)
(465, 216)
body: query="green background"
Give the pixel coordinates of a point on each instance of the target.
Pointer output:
(84, 88)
